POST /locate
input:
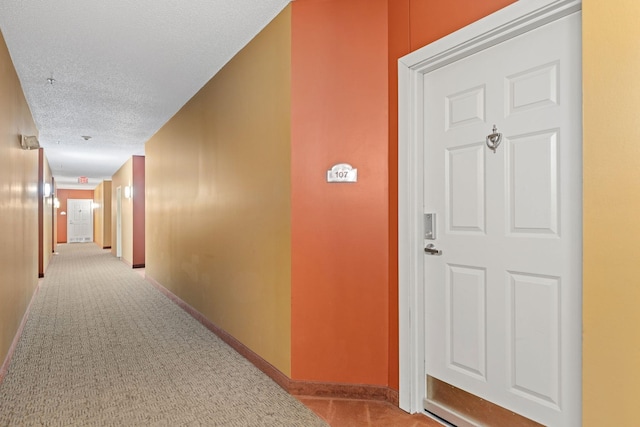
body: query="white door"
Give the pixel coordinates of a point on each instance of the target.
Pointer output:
(503, 299)
(79, 220)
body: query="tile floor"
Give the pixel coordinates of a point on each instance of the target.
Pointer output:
(364, 413)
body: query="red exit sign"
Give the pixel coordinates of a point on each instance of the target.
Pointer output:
(83, 180)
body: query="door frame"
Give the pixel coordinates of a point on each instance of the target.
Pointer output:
(119, 222)
(507, 23)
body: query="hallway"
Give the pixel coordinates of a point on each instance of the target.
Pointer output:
(101, 346)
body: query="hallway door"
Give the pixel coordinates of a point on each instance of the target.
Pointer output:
(79, 220)
(503, 300)
(492, 122)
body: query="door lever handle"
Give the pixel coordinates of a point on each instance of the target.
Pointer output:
(430, 249)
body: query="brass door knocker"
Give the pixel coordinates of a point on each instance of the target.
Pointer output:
(494, 139)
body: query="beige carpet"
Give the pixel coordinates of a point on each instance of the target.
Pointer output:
(103, 347)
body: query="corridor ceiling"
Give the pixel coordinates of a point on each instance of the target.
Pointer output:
(117, 70)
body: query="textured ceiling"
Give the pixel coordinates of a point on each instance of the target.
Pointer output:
(121, 69)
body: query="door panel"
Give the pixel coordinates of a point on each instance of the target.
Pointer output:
(503, 301)
(465, 108)
(534, 88)
(533, 338)
(79, 220)
(466, 319)
(532, 192)
(465, 188)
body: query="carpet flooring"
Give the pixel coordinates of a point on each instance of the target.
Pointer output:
(102, 347)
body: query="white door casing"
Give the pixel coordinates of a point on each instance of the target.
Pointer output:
(79, 220)
(467, 356)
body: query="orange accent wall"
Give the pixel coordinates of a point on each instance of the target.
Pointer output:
(138, 211)
(431, 20)
(340, 238)
(344, 237)
(131, 174)
(18, 204)
(399, 45)
(63, 195)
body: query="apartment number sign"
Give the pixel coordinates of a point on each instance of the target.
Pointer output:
(342, 172)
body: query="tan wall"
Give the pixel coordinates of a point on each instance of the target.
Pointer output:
(18, 206)
(121, 179)
(218, 198)
(102, 214)
(611, 352)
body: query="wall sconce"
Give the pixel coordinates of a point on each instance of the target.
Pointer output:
(56, 203)
(29, 142)
(127, 192)
(47, 189)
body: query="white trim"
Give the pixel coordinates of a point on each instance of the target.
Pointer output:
(518, 18)
(513, 20)
(411, 275)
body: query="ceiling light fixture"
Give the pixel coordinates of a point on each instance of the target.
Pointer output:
(86, 137)
(51, 80)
